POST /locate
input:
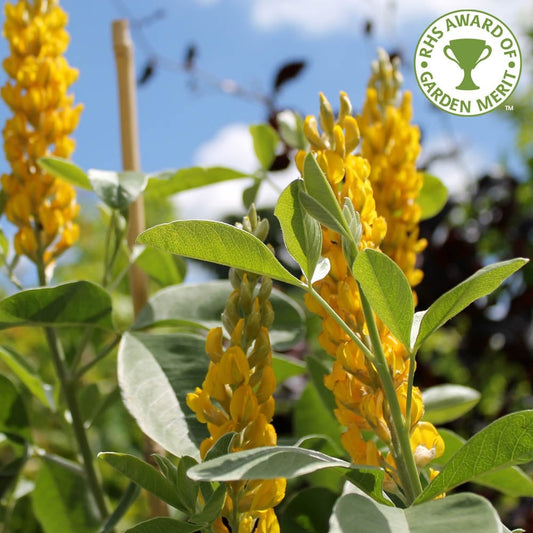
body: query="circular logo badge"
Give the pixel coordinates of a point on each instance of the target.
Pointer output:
(467, 62)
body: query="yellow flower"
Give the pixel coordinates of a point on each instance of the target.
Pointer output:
(391, 144)
(43, 208)
(361, 402)
(426, 443)
(236, 394)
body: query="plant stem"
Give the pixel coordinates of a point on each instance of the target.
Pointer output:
(410, 382)
(353, 336)
(400, 431)
(69, 387)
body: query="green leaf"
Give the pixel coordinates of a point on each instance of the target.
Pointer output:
(265, 463)
(61, 500)
(432, 197)
(29, 378)
(459, 512)
(285, 367)
(266, 141)
(387, 290)
(301, 232)
(444, 403)
(308, 511)
(65, 170)
(4, 245)
(321, 214)
(79, 303)
(218, 243)
(162, 267)
(163, 525)
(318, 187)
(212, 508)
(169, 182)
(507, 441)
(221, 447)
(483, 282)
(126, 501)
(155, 373)
(318, 370)
(187, 488)
(511, 481)
(13, 415)
(201, 306)
(311, 417)
(117, 189)
(22, 518)
(370, 481)
(167, 467)
(291, 129)
(145, 475)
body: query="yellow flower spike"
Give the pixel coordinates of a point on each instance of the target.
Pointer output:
(391, 144)
(389, 149)
(236, 394)
(426, 443)
(44, 117)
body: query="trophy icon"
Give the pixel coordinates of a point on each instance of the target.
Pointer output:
(468, 53)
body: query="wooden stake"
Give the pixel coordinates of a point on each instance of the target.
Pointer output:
(131, 160)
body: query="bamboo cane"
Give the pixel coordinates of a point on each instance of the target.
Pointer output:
(131, 159)
(124, 57)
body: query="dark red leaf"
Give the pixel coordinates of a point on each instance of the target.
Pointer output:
(288, 72)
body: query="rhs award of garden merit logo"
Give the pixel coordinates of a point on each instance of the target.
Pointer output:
(467, 62)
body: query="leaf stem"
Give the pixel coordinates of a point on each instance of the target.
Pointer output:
(400, 431)
(98, 357)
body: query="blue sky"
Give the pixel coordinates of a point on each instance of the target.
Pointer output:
(247, 40)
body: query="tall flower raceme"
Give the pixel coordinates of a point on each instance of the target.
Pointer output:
(236, 395)
(362, 406)
(42, 207)
(391, 144)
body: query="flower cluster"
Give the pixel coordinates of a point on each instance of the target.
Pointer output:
(391, 144)
(236, 395)
(43, 208)
(360, 399)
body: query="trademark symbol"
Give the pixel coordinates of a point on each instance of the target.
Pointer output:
(509, 107)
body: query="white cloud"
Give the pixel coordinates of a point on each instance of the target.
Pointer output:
(317, 17)
(311, 16)
(231, 147)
